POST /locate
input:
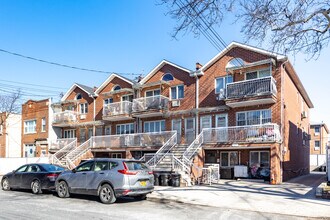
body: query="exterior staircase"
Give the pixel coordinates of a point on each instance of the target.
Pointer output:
(59, 157)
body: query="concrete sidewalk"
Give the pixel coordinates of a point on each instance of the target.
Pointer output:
(296, 197)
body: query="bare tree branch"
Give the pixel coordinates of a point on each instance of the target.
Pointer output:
(9, 105)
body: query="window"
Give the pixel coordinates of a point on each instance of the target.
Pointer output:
(259, 158)
(317, 130)
(21, 169)
(257, 74)
(128, 98)
(125, 128)
(71, 133)
(205, 122)
(116, 155)
(317, 145)
(30, 126)
(101, 165)
(253, 117)
(116, 88)
(82, 135)
(154, 126)
(108, 101)
(177, 92)
(84, 108)
(229, 159)
(153, 92)
(168, 77)
(78, 96)
(221, 82)
(210, 156)
(43, 124)
(107, 130)
(33, 169)
(85, 166)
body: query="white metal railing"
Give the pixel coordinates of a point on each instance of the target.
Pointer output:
(57, 158)
(210, 174)
(157, 102)
(58, 144)
(163, 151)
(253, 87)
(251, 133)
(79, 151)
(117, 108)
(66, 116)
(194, 147)
(132, 140)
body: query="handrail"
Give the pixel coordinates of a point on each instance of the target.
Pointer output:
(197, 142)
(156, 102)
(79, 151)
(117, 108)
(63, 151)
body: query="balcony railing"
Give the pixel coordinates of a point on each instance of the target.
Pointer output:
(117, 108)
(158, 102)
(250, 88)
(242, 134)
(152, 139)
(60, 143)
(65, 117)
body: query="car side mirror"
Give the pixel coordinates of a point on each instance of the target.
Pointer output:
(14, 171)
(74, 170)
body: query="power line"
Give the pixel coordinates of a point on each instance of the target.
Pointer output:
(29, 84)
(61, 65)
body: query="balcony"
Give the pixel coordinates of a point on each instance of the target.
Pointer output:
(66, 118)
(55, 145)
(150, 106)
(117, 111)
(251, 92)
(139, 140)
(264, 133)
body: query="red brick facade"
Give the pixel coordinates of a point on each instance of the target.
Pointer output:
(318, 135)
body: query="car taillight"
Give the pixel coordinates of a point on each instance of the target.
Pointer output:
(125, 171)
(52, 176)
(150, 172)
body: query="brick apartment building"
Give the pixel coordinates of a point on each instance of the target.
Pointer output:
(319, 138)
(36, 131)
(246, 106)
(10, 134)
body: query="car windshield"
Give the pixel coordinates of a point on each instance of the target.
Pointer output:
(132, 165)
(51, 167)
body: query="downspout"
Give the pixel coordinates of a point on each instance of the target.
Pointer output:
(94, 115)
(197, 105)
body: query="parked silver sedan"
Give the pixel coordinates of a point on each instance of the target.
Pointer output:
(107, 178)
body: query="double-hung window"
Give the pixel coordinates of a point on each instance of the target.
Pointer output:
(108, 101)
(229, 159)
(43, 124)
(317, 145)
(153, 93)
(154, 126)
(177, 92)
(84, 108)
(125, 128)
(253, 117)
(30, 126)
(257, 74)
(317, 131)
(221, 82)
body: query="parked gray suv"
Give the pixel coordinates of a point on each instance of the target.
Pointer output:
(107, 178)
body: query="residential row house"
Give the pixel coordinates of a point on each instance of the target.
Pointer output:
(246, 106)
(319, 138)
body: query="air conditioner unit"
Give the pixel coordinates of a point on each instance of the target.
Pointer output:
(83, 116)
(221, 95)
(303, 115)
(175, 103)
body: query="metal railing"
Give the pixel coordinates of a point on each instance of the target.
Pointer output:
(163, 151)
(194, 147)
(117, 108)
(132, 140)
(157, 102)
(79, 151)
(251, 133)
(66, 116)
(210, 174)
(253, 87)
(57, 158)
(60, 143)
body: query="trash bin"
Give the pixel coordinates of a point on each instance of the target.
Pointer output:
(164, 179)
(175, 179)
(156, 179)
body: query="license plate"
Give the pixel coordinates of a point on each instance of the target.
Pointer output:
(143, 183)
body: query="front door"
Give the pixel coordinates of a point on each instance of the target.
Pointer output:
(177, 126)
(221, 121)
(189, 130)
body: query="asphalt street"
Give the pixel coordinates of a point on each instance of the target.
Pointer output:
(24, 205)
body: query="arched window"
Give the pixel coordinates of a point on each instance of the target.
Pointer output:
(117, 87)
(235, 62)
(168, 77)
(78, 96)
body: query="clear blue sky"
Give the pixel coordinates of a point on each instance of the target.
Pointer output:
(116, 36)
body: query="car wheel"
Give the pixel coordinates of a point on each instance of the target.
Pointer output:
(36, 187)
(5, 184)
(141, 197)
(63, 190)
(107, 194)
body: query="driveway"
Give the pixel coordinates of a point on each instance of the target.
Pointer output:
(296, 197)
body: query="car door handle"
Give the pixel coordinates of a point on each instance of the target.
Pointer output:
(84, 173)
(101, 173)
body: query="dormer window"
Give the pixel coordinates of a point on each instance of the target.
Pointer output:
(116, 88)
(78, 96)
(167, 77)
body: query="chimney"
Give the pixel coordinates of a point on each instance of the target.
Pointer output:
(94, 89)
(198, 66)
